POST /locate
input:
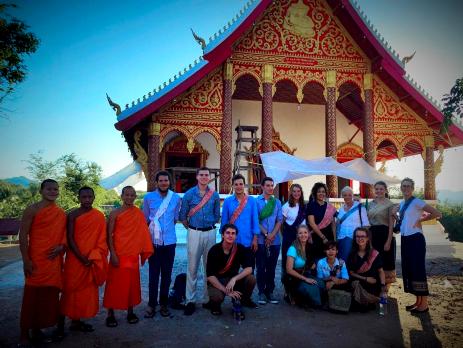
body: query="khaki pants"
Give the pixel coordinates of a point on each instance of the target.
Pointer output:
(245, 286)
(198, 245)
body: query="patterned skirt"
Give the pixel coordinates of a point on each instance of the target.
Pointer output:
(413, 253)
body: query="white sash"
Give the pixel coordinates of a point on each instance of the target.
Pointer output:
(155, 226)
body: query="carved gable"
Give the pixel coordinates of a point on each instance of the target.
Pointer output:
(300, 33)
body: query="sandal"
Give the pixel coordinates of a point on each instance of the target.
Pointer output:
(164, 311)
(82, 327)
(150, 313)
(216, 311)
(111, 321)
(132, 318)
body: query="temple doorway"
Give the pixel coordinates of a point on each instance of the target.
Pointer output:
(181, 160)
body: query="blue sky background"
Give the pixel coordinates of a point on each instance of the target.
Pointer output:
(126, 48)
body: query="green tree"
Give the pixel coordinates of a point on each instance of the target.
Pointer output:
(453, 105)
(15, 43)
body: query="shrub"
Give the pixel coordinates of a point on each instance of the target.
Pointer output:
(452, 220)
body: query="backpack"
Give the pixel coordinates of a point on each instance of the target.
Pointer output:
(177, 294)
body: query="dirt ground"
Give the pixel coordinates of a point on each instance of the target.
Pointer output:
(279, 325)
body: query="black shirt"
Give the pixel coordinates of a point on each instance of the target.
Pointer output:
(217, 259)
(317, 210)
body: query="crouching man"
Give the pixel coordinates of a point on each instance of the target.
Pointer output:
(224, 278)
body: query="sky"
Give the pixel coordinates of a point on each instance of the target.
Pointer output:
(89, 48)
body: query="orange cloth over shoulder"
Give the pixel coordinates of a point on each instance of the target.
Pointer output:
(132, 240)
(80, 297)
(48, 230)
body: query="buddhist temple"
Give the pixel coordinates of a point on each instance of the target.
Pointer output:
(314, 76)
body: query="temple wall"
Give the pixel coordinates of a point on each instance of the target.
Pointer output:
(208, 142)
(303, 129)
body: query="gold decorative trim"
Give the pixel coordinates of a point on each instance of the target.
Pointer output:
(429, 141)
(368, 81)
(228, 71)
(267, 73)
(331, 78)
(154, 129)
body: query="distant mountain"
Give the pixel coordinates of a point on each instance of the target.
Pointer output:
(19, 180)
(450, 196)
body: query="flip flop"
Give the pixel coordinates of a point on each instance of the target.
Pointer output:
(111, 321)
(82, 327)
(164, 311)
(149, 313)
(132, 318)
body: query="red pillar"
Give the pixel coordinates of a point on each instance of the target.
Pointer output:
(267, 112)
(330, 129)
(429, 175)
(154, 132)
(368, 129)
(226, 131)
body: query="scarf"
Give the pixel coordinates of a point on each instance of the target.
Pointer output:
(268, 208)
(239, 210)
(328, 217)
(231, 258)
(155, 225)
(201, 204)
(368, 263)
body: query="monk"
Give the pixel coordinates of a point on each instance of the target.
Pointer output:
(129, 240)
(86, 263)
(42, 240)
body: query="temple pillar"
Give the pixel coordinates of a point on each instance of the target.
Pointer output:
(429, 174)
(267, 114)
(368, 129)
(330, 129)
(154, 132)
(226, 131)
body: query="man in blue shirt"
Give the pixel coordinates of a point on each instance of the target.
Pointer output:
(270, 219)
(241, 210)
(161, 208)
(199, 213)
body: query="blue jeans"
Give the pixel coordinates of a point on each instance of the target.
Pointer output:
(266, 265)
(161, 263)
(344, 247)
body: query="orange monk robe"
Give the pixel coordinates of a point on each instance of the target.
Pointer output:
(132, 240)
(80, 297)
(40, 307)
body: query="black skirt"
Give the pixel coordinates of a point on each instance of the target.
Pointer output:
(413, 253)
(379, 234)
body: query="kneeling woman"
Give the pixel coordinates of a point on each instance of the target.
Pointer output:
(366, 271)
(300, 269)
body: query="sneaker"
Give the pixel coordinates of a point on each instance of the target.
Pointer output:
(272, 299)
(249, 303)
(262, 299)
(189, 308)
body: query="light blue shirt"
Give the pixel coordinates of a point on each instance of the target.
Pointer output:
(247, 222)
(270, 222)
(151, 203)
(323, 269)
(207, 216)
(299, 262)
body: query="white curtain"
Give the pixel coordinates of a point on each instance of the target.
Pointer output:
(282, 167)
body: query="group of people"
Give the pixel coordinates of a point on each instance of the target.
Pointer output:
(323, 250)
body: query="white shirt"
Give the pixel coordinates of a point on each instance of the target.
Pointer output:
(412, 214)
(346, 229)
(290, 213)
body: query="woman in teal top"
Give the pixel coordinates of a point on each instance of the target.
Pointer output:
(300, 271)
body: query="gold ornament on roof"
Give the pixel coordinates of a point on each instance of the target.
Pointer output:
(298, 22)
(439, 161)
(116, 107)
(142, 157)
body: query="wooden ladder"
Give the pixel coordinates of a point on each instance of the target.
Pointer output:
(246, 156)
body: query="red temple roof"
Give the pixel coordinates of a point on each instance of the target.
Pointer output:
(385, 63)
